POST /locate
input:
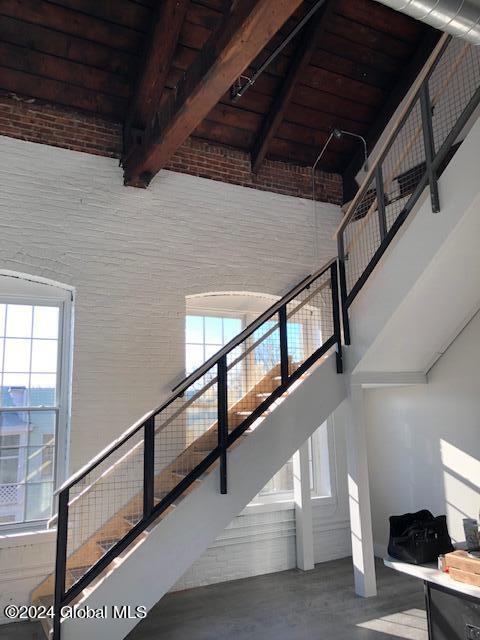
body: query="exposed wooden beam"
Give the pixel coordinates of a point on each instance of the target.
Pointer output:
(398, 92)
(310, 36)
(245, 32)
(157, 59)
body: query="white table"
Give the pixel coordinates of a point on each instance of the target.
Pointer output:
(453, 608)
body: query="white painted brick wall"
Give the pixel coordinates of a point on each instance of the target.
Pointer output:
(132, 256)
(257, 543)
(262, 545)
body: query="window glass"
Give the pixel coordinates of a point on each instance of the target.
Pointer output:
(19, 321)
(267, 353)
(17, 355)
(194, 330)
(45, 322)
(8, 468)
(29, 343)
(195, 357)
(231, 328)
(44, 356)
(2, 319)
(205, 335)
(38, 500)
(213, 330)
(296, 349)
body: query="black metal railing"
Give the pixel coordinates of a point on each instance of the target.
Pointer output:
(416, 152)
(106, 505)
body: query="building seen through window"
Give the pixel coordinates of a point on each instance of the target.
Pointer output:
(29, 350)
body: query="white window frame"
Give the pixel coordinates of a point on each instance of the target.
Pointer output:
(284, 499)
(320, 479)
(63, 300)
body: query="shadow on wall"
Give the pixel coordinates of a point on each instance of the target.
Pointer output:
(424, 444)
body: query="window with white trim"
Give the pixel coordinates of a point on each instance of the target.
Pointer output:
(33, 399)
(206, 332)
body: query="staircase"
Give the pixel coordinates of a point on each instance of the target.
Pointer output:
(137, 516)
(174, 460)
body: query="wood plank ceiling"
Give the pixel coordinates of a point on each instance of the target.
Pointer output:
(89, 55)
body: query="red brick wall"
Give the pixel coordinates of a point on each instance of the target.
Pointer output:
(60, 128)
(81, 132)
(203, 159)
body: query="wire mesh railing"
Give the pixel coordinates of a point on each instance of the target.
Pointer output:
(109, 503)
(432, 126)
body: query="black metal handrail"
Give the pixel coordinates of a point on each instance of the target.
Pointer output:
(435, 162)
(151, 511)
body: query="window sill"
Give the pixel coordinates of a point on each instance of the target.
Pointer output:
(10, 539)
(320, 501)
(268, 506)
(284, 505)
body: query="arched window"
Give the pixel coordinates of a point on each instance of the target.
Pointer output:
(35, 319)
(212, 320)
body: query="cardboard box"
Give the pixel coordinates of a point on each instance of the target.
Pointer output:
(463, 568)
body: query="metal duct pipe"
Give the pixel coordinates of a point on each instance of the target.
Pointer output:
(460, 18)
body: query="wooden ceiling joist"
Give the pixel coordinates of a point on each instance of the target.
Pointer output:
(310, 37)
(245, 32)
(157, 60)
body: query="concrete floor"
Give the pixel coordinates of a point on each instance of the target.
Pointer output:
(292, 605)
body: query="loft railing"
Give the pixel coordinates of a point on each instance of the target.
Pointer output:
(414, 155)
(108, 504)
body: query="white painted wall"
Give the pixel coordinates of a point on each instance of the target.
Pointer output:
(424, 441)
(132, 256)
(25, 560)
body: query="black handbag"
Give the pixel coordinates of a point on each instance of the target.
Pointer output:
(418, 538)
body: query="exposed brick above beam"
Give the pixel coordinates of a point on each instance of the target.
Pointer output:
(80, 132)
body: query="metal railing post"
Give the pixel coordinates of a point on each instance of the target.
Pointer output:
(336, 316)
(382, 216)
(148, 466)
(222, 420)
(343, 288)
(428, 140)
(282, 323)
(60, 561)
